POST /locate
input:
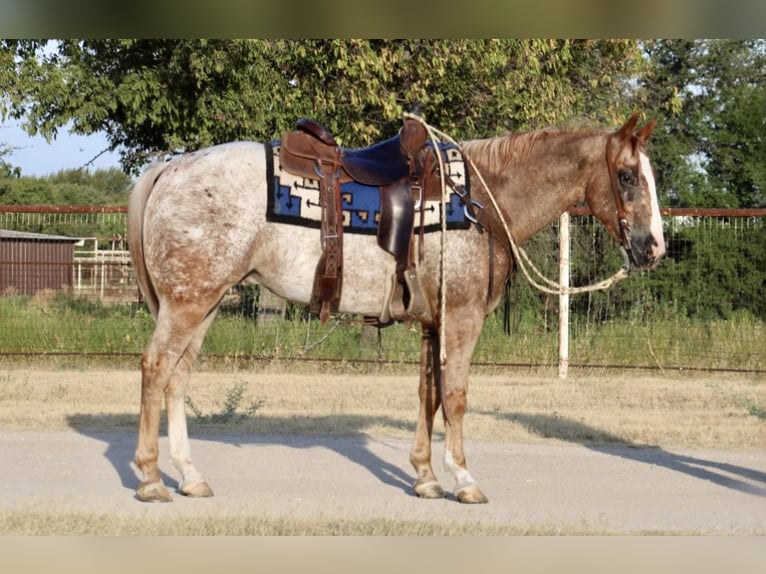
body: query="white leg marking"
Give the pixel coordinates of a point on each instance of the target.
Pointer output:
(178, 439)
(461, 475)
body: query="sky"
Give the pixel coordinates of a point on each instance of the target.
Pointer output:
(36, 157)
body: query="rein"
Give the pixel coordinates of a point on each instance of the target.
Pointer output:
(549, 286)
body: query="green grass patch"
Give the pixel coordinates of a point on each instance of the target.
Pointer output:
(63, 324)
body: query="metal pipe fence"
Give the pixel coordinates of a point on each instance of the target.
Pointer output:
(704, 307)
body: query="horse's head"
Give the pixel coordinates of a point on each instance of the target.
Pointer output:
(625, 197)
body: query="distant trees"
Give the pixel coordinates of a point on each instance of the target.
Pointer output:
(67, 187)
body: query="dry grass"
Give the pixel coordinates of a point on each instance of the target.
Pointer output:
(33, 522)
(680, 410)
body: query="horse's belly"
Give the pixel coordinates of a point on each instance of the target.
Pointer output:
(287, 258)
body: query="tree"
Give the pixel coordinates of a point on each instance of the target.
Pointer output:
(166, 96)
(709, 147)
(6, 168)
(737, 160)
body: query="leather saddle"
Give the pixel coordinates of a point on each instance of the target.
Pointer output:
(396, 167)
(380, 164)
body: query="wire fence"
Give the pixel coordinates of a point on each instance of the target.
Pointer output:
(703, 308)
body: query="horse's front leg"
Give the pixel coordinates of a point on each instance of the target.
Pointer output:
(426, 484)
(466, 488)
(460, 345)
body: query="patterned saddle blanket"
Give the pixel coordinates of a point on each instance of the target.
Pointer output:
(294, 199)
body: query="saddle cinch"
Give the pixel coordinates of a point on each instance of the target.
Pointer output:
(399, 167)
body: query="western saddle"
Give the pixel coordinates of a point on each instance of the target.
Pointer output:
(400, 168)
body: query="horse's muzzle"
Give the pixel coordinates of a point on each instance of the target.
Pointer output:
(645, 251)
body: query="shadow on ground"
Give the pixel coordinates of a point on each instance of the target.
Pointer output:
(121, 442)
(739, 478)
(120, 445)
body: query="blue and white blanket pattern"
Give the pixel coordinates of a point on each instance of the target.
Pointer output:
(295, 200)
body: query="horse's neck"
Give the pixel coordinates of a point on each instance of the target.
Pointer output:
(536, 177)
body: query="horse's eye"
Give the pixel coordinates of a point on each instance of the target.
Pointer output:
(627, 177)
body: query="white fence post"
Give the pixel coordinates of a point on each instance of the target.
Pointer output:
(564, 296)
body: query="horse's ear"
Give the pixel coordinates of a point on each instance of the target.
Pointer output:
(645, 132)
(626, 131)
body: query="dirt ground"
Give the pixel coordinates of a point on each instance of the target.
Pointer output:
(615, 489)
(568, 484)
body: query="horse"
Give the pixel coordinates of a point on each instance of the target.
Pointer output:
(197, 226)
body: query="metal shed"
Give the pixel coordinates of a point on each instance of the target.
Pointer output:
(30, 262)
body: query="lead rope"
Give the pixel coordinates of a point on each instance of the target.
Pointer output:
(522, 259)
(432, 135)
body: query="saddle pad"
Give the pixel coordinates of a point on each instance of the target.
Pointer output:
(295, 200)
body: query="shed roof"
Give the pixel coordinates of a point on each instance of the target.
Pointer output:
(11, 234)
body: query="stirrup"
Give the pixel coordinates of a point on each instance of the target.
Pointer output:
(416, 308)
(396, 303)
(417, 305)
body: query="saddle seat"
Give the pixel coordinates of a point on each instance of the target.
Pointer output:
(382, 163)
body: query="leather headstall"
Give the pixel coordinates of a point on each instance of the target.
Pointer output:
(622, 220)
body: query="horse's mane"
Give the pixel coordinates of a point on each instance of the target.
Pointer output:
(515, 148)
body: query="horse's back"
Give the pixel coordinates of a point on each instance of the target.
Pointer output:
(201, 215)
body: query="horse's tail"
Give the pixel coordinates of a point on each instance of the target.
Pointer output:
(136, 208)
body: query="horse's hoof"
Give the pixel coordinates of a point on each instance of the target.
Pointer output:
(430, 489)
(471, 494)
(199, 489)
(153, 492)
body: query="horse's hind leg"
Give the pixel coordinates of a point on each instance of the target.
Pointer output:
(192, 483)
(175, 330)
(155, 371)
(426, 484)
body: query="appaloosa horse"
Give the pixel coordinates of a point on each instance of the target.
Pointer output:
(198, 226)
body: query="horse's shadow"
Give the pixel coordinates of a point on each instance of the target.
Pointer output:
(739, 478)
(121, 443)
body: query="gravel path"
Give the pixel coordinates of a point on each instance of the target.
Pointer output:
(614, 489)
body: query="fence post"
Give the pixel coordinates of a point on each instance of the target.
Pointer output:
(564, 296)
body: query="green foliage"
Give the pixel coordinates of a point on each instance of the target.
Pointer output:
(67, 187)
(66, 323)
(713, 269)
(713, 278)
(709, 146)
(657, 336)
(165, 96)
(7, 170)
(737, 161)
(159, 97)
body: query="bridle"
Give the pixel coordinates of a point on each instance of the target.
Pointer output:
(622, 220)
